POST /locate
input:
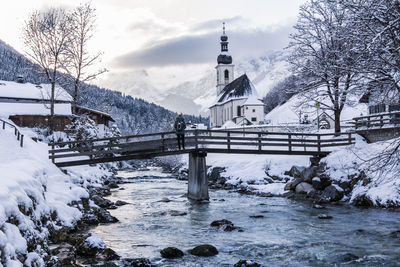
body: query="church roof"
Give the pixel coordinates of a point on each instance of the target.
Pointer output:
(238, 88)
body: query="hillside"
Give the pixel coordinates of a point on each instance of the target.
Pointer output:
(132, 115)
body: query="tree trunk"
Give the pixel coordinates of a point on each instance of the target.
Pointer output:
(75, 99)
(337, 120)
(51, 122)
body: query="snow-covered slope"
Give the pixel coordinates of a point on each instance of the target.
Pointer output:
(34, 196)
(296, 106)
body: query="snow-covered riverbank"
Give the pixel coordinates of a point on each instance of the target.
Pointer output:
(347, 169)
(36, 198)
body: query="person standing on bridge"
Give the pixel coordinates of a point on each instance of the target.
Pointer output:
(180, 127)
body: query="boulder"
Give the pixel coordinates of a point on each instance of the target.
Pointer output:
(224, 224)
(296, 171)
(65, 254)
(321, 182)
(291, 185)
(177, 213)
(256, 216)
(362, 201)
(324, 217)
(346, 257)
(246, 263)
(120, 203)
(102, 202)
(304, 188)
(137, 262)
(165, 200)
(205, 250)
(308, 173)
(104, 216)
(171, 252)
(109, 254)
(332, 193)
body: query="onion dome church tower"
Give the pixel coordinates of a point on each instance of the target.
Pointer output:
(225, 66)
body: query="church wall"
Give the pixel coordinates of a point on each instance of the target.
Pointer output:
(256, 112)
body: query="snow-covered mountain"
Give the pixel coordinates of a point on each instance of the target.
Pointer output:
(196, 95)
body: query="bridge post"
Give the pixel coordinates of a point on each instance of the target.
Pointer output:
(198, 182)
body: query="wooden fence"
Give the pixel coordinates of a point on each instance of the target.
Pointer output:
(20, 137)
(391, 119)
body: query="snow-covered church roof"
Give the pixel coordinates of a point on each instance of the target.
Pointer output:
(31, 91)
(239, 88)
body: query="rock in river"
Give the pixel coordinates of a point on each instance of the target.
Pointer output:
(171, 252)
(246, 263)
(324, 217)
(226, 225)
(205, 250)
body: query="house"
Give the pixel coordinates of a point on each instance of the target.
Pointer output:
(100, 118)
(237, 99)
(28, 105)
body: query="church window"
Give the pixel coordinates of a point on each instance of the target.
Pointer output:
(239, 111)
(226, 74)
(254, 110)
(253, 119)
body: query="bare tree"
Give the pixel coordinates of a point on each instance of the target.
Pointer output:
(323, 55)
(78, 59)
(378, 25)
(46, 38)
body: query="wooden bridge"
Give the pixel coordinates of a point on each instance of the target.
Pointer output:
(379, 126)
(197, 144)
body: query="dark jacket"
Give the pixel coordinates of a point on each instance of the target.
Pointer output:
(182, 121)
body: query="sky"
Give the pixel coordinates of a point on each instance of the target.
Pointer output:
(173, 40)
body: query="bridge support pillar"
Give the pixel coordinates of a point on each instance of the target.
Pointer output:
(198, 182)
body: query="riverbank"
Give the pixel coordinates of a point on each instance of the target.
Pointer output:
(43, 208)
(350, 174)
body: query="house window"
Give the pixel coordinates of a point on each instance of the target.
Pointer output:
(253, 119)
(254, 110)
(238, 111)
(226, 74)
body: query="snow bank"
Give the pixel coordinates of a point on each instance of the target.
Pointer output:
(380, 186)
(251, 171)
(34, 195)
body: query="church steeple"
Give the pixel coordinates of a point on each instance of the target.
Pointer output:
(225, 67)
(224, 57)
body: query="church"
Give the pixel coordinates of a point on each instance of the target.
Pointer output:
(237, 99)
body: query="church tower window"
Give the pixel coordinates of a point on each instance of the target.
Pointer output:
(226, 74)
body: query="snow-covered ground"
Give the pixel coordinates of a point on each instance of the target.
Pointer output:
(382, 183)
(254, 172)
(35, 196)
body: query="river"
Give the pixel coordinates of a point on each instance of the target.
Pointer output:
(286, 232)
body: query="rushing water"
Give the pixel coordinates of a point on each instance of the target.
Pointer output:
(289, 234)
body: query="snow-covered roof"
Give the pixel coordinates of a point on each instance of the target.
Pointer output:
(32, 91)
(8, 109)
(240, 88)
(253, 101)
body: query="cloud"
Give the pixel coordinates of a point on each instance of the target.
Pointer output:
(217, 23)
(204, 48)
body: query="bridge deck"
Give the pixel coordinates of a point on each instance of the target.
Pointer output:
(93, 151)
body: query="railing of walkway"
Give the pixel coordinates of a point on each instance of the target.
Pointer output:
(20, 137)
(212, 141)
(391, 119)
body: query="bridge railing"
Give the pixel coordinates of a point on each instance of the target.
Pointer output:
(388, 119)
(213, 141)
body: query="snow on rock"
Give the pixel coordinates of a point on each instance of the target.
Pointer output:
(95, 242)
(34, 195)
(381, 187)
